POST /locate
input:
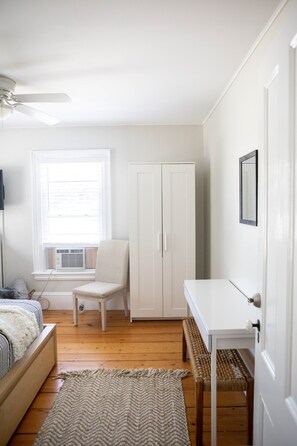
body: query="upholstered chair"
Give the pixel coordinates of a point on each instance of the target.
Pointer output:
(110, 278)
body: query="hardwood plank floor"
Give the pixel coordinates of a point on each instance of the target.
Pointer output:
(141, 344)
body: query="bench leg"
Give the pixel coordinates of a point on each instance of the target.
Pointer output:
(184, 347)
(199, 412)
(250, 409)
(75, 310)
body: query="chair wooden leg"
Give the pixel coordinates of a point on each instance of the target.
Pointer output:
(125, 301)
(103, 315)
(199, 412)
(250, 410)
(75, 310)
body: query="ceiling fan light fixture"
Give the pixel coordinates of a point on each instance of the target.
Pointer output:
(10, 102)
(6, 110)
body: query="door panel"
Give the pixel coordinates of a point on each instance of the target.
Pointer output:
(268, 426)
(291, 326)
(275, 418)
(178, 185)
(145, 240)
(274, 246)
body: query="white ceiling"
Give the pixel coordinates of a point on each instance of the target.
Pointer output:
(127, 61)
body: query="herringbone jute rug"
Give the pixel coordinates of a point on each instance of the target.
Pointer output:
(113, 407)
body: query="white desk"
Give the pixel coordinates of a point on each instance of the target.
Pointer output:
(220, 311)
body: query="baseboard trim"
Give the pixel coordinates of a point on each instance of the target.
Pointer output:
(62, 300)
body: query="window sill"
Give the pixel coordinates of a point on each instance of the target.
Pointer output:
(62, 275)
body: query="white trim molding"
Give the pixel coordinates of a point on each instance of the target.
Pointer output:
(247, 57)
(62, 300)
(52, 275)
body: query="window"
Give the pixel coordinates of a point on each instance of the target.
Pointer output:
(71, 201)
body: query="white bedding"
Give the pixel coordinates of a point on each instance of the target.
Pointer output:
(20, 327)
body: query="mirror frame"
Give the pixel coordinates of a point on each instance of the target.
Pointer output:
(252, 154)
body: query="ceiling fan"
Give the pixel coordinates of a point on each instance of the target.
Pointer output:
(9, 102)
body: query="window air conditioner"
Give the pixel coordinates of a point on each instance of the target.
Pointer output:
(70, 258)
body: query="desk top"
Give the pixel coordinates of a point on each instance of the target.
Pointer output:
(219, 308)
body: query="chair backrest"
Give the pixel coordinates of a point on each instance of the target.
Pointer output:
(112, 261)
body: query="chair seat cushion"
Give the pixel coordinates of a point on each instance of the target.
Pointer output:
(98, 289)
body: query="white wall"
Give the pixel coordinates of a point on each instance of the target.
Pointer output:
(233, 250)
(127, 144)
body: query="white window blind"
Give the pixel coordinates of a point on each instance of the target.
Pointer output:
(71, 199)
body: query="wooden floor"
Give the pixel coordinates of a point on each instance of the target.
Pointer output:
(141, 344)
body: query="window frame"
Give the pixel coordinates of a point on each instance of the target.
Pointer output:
(40, 157)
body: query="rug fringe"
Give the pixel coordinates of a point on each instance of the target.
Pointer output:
(133, 373)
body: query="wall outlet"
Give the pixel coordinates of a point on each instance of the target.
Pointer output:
(81, 307)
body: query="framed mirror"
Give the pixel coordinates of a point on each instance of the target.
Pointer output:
(248, 188)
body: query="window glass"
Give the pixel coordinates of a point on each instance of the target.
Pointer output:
(71, 200)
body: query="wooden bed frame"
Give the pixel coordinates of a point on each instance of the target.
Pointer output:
(21, 384)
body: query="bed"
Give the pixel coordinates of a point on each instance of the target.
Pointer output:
(23, 379)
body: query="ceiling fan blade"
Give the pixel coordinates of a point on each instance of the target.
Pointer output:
(42, 97)
(37, 114)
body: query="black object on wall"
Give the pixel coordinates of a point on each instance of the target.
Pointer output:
(2, 192)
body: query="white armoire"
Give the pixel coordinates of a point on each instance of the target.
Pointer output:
(162, 238)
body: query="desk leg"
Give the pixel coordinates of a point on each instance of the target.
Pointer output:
(213, 392)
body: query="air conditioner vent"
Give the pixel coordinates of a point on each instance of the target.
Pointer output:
(70, 259)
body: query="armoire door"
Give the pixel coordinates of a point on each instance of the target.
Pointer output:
(145, 235)
(178, 191)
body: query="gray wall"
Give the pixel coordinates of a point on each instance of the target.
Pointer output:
(127, 144)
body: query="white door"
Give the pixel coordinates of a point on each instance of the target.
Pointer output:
(145, 235)
(178, 184)
(275, 421)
